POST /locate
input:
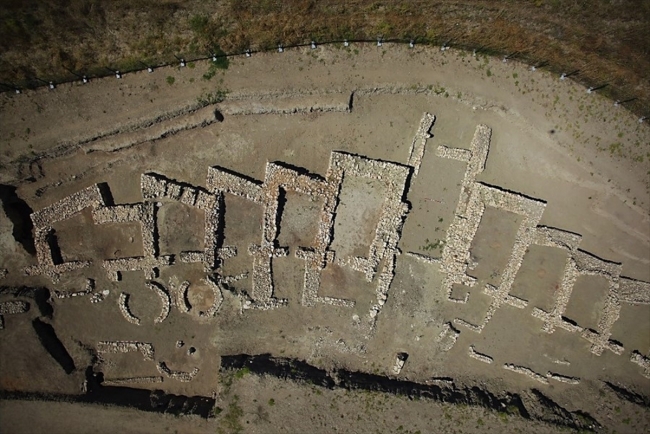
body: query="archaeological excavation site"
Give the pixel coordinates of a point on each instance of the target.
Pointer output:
(361, 238)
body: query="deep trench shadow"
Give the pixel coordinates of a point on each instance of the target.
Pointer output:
(509, 403)
(51, 342)
(19, 213)
(156, 401)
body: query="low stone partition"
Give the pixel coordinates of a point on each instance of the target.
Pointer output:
(132, 380)
(145, 348)
(181, 376)
(416, 152)
(125, 311)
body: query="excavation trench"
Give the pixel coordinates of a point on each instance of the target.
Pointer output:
(537, 406)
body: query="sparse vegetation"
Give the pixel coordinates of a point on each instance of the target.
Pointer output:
(212, 97)
(230, 422)
(242, 373)
(41, 39)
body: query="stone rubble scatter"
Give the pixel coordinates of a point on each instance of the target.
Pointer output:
(99, 296)
(13, 307)
(400, 360)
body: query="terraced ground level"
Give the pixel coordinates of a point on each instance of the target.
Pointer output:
(361, 239)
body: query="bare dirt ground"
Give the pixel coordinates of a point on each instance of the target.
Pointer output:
(506, 251)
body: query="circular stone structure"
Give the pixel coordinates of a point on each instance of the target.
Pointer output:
(423, 223)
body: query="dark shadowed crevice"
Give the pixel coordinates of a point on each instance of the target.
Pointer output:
(19, 214)
(53, 345)
(629, 395)
(155, 401)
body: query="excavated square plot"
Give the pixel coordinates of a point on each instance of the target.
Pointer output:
(78, 238)
(632, 327)
(357, 215)
(492, 245)
(180, 228)
(343, 282)
(288, 277)
(128, 364)
(299, 221)
(540, 276)
(433, 195)
(587, 301)
(477, 305)
(243, 227)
